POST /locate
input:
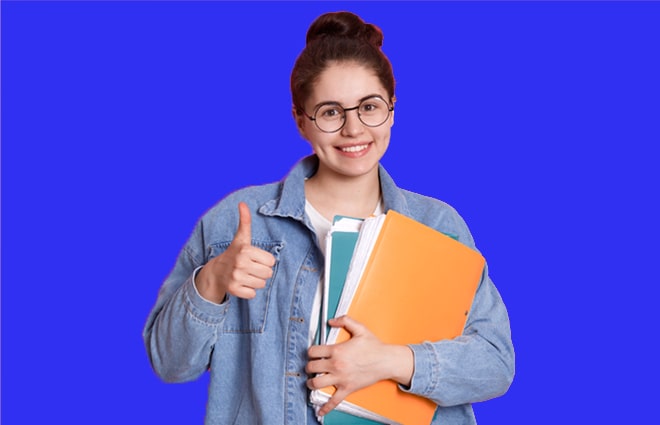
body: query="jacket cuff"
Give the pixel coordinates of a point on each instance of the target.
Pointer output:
(200, 307)
(424, 377)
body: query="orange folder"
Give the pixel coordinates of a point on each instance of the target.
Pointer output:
(417, 285)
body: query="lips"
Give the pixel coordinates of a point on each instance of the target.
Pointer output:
(354, 148)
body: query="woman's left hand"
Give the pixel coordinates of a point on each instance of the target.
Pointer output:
(359, 362)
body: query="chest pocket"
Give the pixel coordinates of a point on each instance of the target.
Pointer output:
(249, 316)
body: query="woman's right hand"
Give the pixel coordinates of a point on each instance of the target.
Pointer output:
(241, 270)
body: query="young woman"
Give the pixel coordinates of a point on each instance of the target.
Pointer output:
(243, 297)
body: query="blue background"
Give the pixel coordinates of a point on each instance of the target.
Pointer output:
(122, 122)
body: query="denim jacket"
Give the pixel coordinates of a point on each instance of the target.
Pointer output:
(256, 350)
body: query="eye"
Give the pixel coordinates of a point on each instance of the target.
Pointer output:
(368, 107)
(329, 112)
(372, 105)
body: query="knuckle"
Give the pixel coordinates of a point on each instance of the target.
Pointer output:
(242, 292)
(242, 262)
(338, 364)
(313, 383)
(236, 275)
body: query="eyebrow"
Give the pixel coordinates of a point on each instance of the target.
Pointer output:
(334, 102)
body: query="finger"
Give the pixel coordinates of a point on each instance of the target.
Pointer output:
(352, 326)
(252, 282)
(262, 257)
(319, 351)
(243, 234)
(243, 292)
(319, 381)
(317, 366)
(261, 272)
(246, 287)
(253, 262)
(334, 401)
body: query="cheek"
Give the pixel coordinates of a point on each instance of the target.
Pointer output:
(316, 140)
(384, 134)
(307, 133)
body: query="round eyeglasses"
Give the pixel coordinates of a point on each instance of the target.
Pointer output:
(330, 117)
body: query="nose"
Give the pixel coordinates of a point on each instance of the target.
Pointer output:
(353, 126)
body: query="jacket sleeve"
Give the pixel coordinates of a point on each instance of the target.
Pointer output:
(182, 327)
(476, 366)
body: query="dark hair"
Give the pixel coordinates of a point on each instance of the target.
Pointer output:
(339, 37)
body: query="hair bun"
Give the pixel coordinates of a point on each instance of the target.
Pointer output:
(344, 25)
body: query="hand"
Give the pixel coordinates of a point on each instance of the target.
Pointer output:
(241, 270)
(357, 363)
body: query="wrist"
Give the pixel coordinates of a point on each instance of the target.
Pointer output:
(206, 290)
(402, 364)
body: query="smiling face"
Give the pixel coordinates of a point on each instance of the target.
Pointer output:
(356, 149)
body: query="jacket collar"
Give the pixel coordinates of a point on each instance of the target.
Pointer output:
(290, 201)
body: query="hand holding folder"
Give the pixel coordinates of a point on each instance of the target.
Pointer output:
(408, 284)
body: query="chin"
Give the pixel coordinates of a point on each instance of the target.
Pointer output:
(358, 171)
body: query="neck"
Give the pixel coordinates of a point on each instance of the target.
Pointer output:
(342, 195)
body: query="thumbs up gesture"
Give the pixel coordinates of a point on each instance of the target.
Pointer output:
(241, 270)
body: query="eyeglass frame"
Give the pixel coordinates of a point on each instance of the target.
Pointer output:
(390, 108)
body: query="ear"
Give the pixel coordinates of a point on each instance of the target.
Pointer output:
(300, 121)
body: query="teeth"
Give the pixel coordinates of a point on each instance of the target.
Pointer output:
(354, 148)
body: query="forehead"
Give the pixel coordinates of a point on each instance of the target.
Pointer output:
(346, 83)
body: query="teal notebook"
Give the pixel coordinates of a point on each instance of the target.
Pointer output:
(340, 418)
(341, 244)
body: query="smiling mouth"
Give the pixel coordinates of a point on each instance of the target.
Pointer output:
(354, 149)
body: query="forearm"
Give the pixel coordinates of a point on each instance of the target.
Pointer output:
(181, 332)
(476, 366)
(460, 371)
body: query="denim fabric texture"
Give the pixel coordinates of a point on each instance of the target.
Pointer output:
(256, 350)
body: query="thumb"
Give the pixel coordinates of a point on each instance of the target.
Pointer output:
(244, 232)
